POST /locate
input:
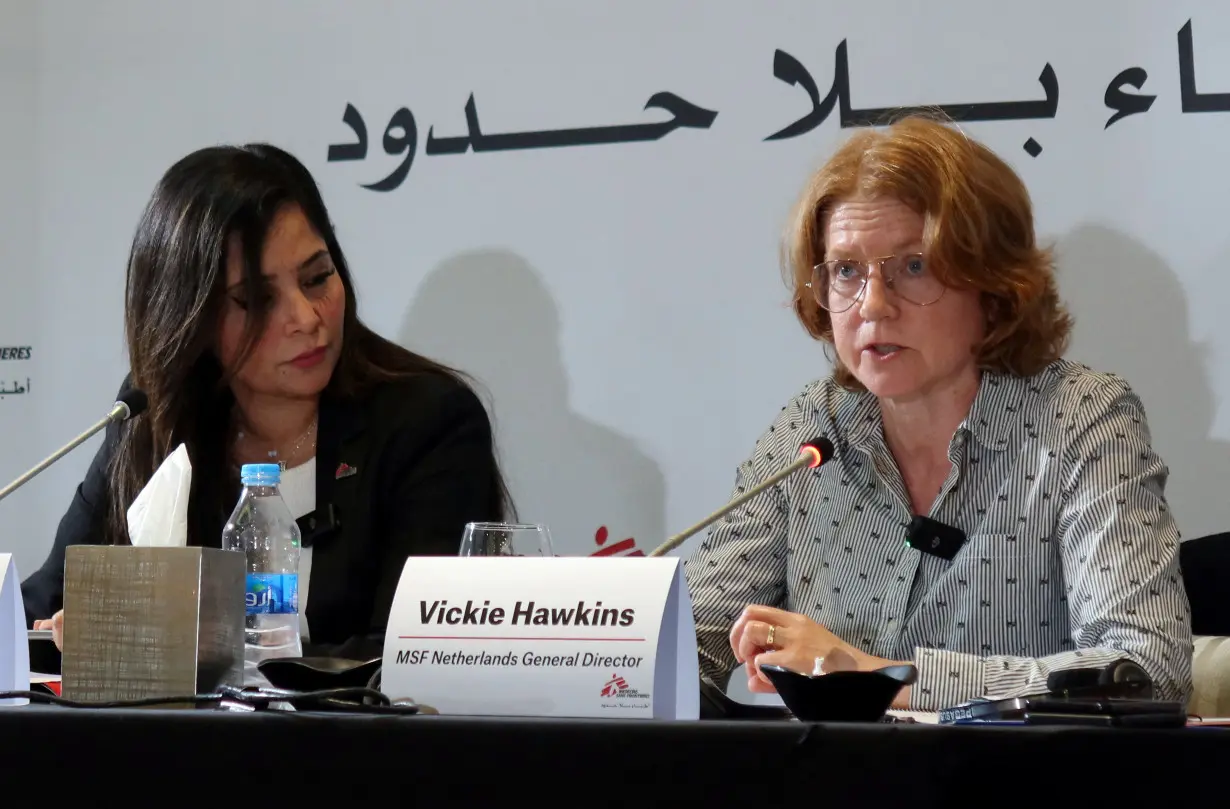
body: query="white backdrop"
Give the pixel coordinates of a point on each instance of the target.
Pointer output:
(621, 302)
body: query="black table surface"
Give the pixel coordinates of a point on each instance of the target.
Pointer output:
(169, 757)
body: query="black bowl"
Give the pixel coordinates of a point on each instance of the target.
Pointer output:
(841, 696)
(318, 673)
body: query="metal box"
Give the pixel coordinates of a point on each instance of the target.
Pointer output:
(158, 622)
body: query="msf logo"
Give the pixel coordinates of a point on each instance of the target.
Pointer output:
(616, 693)
(614, 686)
(624, 547)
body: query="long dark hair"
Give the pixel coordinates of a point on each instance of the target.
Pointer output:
(175, 291)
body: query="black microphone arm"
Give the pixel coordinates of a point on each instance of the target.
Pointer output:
(132, 402)
(812, 454)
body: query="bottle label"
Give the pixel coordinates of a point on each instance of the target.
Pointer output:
(272, 594)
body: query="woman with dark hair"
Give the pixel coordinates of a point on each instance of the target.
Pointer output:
(243, 331)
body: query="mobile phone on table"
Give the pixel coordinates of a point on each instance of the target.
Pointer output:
(1050, 710)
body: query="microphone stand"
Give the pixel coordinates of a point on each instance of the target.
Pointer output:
(808, 459)
(120, 412)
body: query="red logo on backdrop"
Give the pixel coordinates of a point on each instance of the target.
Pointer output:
(614, 686)
(624, 547)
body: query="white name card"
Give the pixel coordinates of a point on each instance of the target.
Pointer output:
(14, 642)
(544, 636)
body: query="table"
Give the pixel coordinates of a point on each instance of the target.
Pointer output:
(207, 757)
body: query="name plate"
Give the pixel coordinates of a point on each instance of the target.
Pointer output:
(14, 641)
(534, 636)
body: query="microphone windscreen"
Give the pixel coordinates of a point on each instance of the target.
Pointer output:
(822, 445)
(135, 399)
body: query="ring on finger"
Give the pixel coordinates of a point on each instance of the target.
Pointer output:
(769, 639)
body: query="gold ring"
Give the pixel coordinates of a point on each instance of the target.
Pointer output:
(772, 633)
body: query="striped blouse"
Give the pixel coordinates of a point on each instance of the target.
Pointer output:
(1071, 557)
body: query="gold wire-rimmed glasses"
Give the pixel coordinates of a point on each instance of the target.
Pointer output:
(839, 283)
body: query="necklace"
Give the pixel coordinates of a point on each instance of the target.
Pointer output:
(296, 447)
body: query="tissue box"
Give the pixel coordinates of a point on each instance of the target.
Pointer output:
(151, 622)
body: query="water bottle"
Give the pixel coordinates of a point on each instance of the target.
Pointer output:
(261, 526)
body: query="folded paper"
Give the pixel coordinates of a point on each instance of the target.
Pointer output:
(14, 644)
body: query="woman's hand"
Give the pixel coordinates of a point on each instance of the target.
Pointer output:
(769, 636)
(56, 624)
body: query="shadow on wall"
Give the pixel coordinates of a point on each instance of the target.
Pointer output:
(1131, 319)
(489, 314)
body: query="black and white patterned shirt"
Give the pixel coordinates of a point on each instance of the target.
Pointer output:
(1071, 558)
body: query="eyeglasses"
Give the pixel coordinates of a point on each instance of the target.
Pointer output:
(840, 283)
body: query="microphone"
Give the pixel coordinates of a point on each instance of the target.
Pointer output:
(934, 537)
(131, 403)
(811, 455)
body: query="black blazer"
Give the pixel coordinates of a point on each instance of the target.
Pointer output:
(424, 465)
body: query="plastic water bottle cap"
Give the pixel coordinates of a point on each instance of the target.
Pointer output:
(260, 474)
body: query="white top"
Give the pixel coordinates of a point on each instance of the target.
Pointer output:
(298, 488)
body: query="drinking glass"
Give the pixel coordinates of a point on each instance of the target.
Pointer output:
(506, 539)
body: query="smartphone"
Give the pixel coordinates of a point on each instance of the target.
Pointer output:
(981, 711)
(1049, 710)
(1167, 719)
(1087, 706)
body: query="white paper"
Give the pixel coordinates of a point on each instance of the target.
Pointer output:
(676, 643)
(158, 517)
(14, 645)
(633, 656)
(922, 717)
